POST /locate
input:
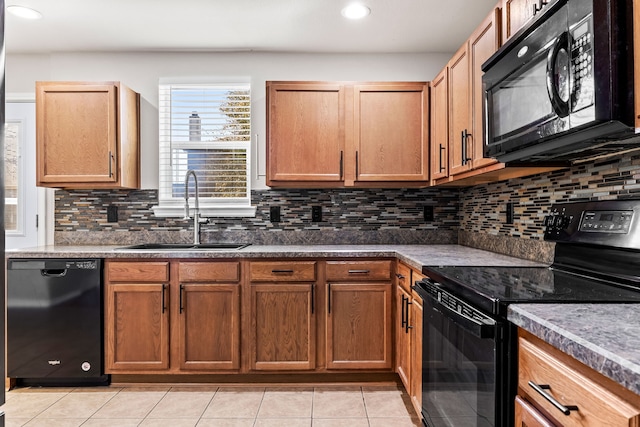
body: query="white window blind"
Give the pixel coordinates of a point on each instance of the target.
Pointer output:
(205, 128)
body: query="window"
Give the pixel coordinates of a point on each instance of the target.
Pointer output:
(205, 128)
(13, 200)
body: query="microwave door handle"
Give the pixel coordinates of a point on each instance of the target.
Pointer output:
(560, 106)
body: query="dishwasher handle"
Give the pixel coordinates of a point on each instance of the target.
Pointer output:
(54, 272)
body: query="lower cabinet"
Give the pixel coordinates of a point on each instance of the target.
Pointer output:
(359, 307)
(172, 316)
(555, 389)
(283, 319)
(247, 316)
(137, 316)
(528, 416)
(409, 334)
(209, 316)
(416, 353)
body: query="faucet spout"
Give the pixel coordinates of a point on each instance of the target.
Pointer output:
(196, 209)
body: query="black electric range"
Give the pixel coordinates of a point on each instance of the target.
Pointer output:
(469, 356)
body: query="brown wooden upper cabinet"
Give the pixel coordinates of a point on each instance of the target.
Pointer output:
(515, 14)
(456, 126)
(87, 135)
(336, 134)
(439, 126)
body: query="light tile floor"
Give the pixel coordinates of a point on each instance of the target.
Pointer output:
(208, 406)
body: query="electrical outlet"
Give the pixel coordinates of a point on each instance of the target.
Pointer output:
(274, 214)
(316, 213)
(509, 212)
(428, 214)
(112, 213)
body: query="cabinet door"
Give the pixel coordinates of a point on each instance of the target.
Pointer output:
(391, 132)
(283, 324)
(137, 327)
(403, 336)
(483, 43)
(76, 133)
(527, 416)
(459, 112)
(440, 126)
(209, 326)
(305, 132)
(416, 354)
(359, 326)
(515, 14)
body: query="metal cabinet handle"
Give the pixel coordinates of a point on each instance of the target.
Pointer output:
(181, 298)
(329, 298)
(399, 276)
(357, 173)
(313, 294)
(403, 320)
(538, 7)
(341, 164)
(540, 388)
(282, 271)
(110, 164)
(406, 325)
(164, 306)
(359, 271)
(442, 168)
(465, 141)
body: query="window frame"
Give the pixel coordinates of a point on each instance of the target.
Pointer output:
(169, 206)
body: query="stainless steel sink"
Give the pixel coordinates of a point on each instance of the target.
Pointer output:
(184, 246)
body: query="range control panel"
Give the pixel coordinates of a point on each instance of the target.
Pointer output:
(609, 222)
(606, 221)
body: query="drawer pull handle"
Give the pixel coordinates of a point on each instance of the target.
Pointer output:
(399, 276)
(540, 388)
(282, 271)
(359, 271)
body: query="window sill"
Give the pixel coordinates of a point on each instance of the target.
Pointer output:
(232, 211)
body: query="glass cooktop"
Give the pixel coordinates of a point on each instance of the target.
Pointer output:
(493, 288)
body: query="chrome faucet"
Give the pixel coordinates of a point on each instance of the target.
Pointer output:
(196, 209)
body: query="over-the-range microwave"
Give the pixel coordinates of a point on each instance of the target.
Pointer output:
(562, 88)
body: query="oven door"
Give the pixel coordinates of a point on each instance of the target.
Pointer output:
(463, 368)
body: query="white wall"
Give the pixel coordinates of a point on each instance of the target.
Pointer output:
(141, 72)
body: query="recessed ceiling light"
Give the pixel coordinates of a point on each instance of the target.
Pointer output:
(24, 12)
(355, 11)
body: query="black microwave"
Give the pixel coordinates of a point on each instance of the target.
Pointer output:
(562, 88)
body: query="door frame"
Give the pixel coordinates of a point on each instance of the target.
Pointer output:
(46, 196)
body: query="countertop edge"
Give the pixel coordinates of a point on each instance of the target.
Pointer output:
(612, 365)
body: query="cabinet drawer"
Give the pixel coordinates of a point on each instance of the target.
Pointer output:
(358, 270)
(209, 271)
(138, 271)
(285, 271)
(596, 404)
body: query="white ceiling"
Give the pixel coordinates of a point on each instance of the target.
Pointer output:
(408, 26)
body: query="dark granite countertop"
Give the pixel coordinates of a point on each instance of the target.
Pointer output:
(415, 256)
(605, 337)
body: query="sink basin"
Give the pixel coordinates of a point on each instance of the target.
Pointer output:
(185, 246)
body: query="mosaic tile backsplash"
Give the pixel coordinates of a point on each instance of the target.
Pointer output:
(483, 208)
(473, 216)
(354, 216)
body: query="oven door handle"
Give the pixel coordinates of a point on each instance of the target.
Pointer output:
(480, 329)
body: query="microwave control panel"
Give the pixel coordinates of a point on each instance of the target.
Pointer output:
(582, 65)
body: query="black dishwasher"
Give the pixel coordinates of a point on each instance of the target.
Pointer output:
(54, 322)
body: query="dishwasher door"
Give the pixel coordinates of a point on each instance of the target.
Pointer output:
(54, 321)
